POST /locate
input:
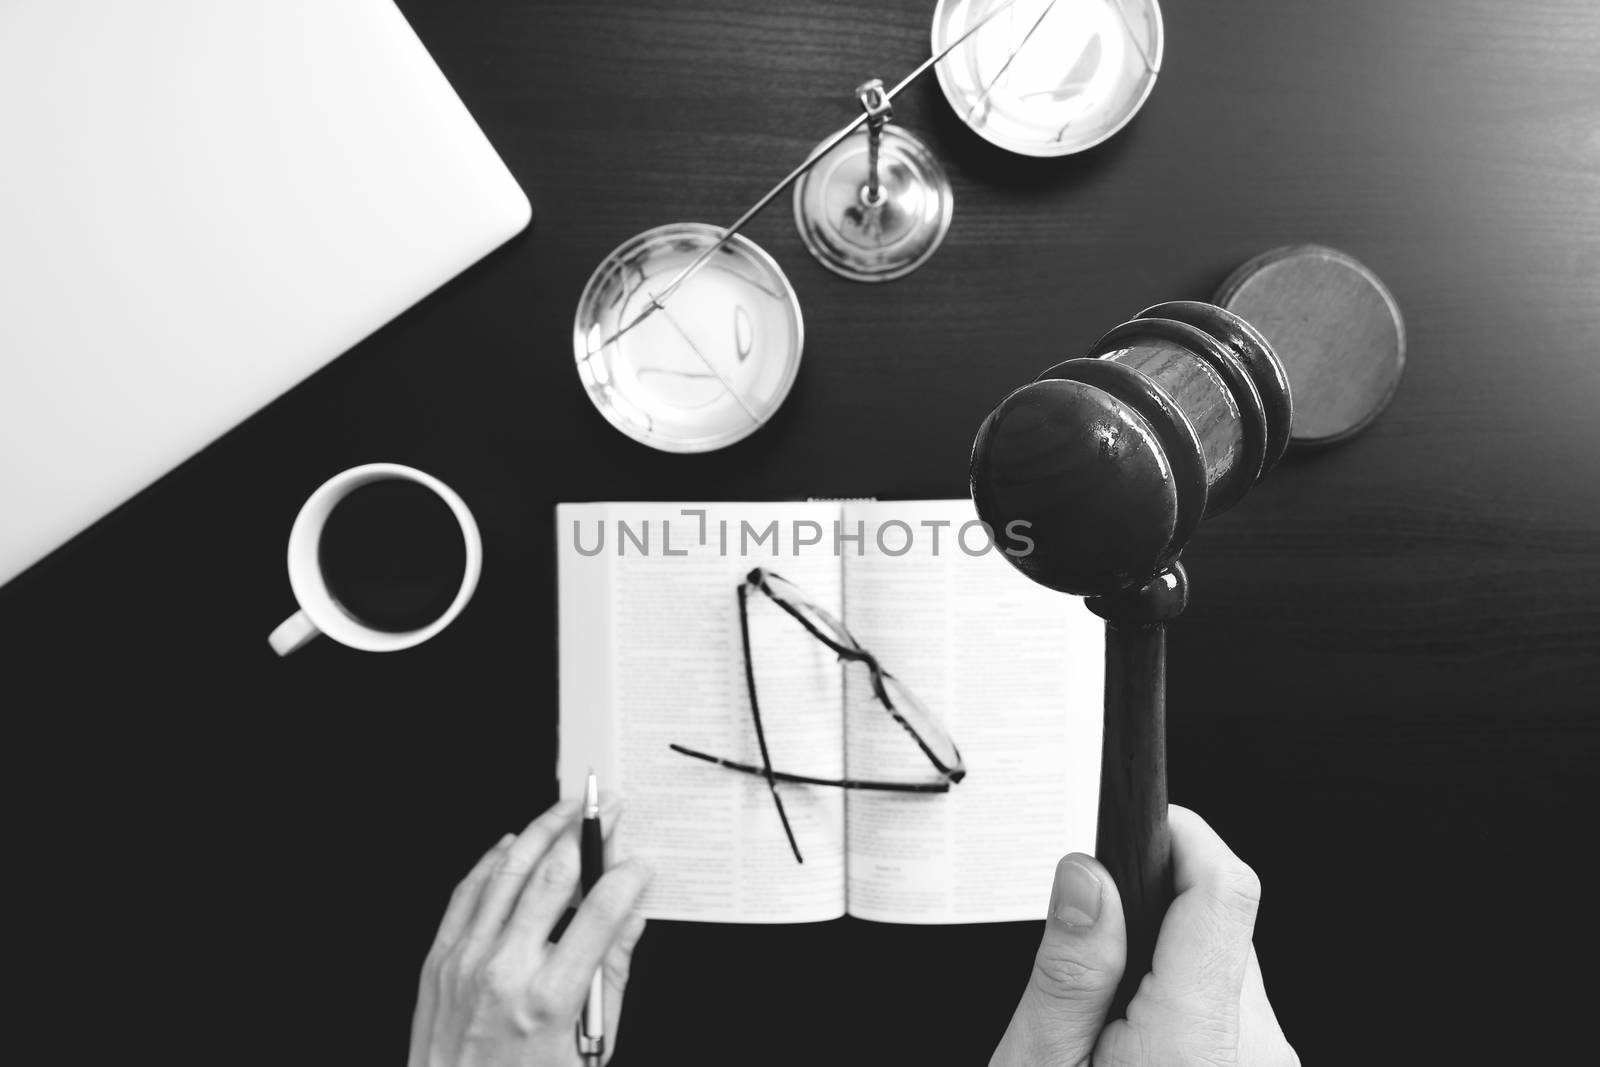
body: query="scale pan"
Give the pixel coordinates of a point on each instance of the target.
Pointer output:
(711, 363)
(1049, 77)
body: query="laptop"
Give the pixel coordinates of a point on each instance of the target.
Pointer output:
(200, 204)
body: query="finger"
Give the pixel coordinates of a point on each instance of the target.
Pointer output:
(1255, 987)
(610, 815)
(548, 892)
(464, 901)
(618, 962)
(456, 913)
(1075, 972)
(599, 924)
(1261, 1039)
(1204, 945)
(508, 876)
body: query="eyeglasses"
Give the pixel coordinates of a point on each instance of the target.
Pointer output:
(901, 704)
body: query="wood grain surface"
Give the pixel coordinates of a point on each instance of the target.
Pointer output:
(1385, 692)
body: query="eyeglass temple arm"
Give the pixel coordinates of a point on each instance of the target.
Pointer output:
(801, 779)
(761, 733)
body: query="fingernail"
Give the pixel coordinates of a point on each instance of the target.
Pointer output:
(1076, 900)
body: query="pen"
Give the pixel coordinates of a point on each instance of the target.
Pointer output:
(592, 1027)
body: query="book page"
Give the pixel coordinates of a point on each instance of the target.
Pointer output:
(651, 655)
(1014, 671)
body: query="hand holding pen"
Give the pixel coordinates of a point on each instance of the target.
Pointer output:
(495, 991)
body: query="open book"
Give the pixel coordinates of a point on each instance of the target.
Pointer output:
(651, 655)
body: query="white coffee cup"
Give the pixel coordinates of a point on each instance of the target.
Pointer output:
(319, 612)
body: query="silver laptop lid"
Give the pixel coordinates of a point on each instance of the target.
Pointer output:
(201, 204)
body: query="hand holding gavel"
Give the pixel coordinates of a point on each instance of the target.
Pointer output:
(1204, 1003)
(1112, 460)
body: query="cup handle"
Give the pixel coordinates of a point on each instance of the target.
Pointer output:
(292, 633)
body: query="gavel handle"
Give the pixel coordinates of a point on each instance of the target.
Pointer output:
(1132, 838)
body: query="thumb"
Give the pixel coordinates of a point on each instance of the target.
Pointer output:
(1075, 972)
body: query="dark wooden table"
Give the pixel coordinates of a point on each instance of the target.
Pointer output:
(1386, 692)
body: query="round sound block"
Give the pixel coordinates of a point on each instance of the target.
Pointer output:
(1336, 328)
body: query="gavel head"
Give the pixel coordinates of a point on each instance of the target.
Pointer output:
(1111, 460)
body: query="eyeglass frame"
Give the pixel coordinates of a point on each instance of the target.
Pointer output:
(854, 653)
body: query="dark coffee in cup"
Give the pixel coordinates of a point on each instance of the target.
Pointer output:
(392, 555)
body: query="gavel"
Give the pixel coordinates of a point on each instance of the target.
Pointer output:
(1112, 460)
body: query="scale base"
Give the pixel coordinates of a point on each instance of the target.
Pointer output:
(866, 240)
